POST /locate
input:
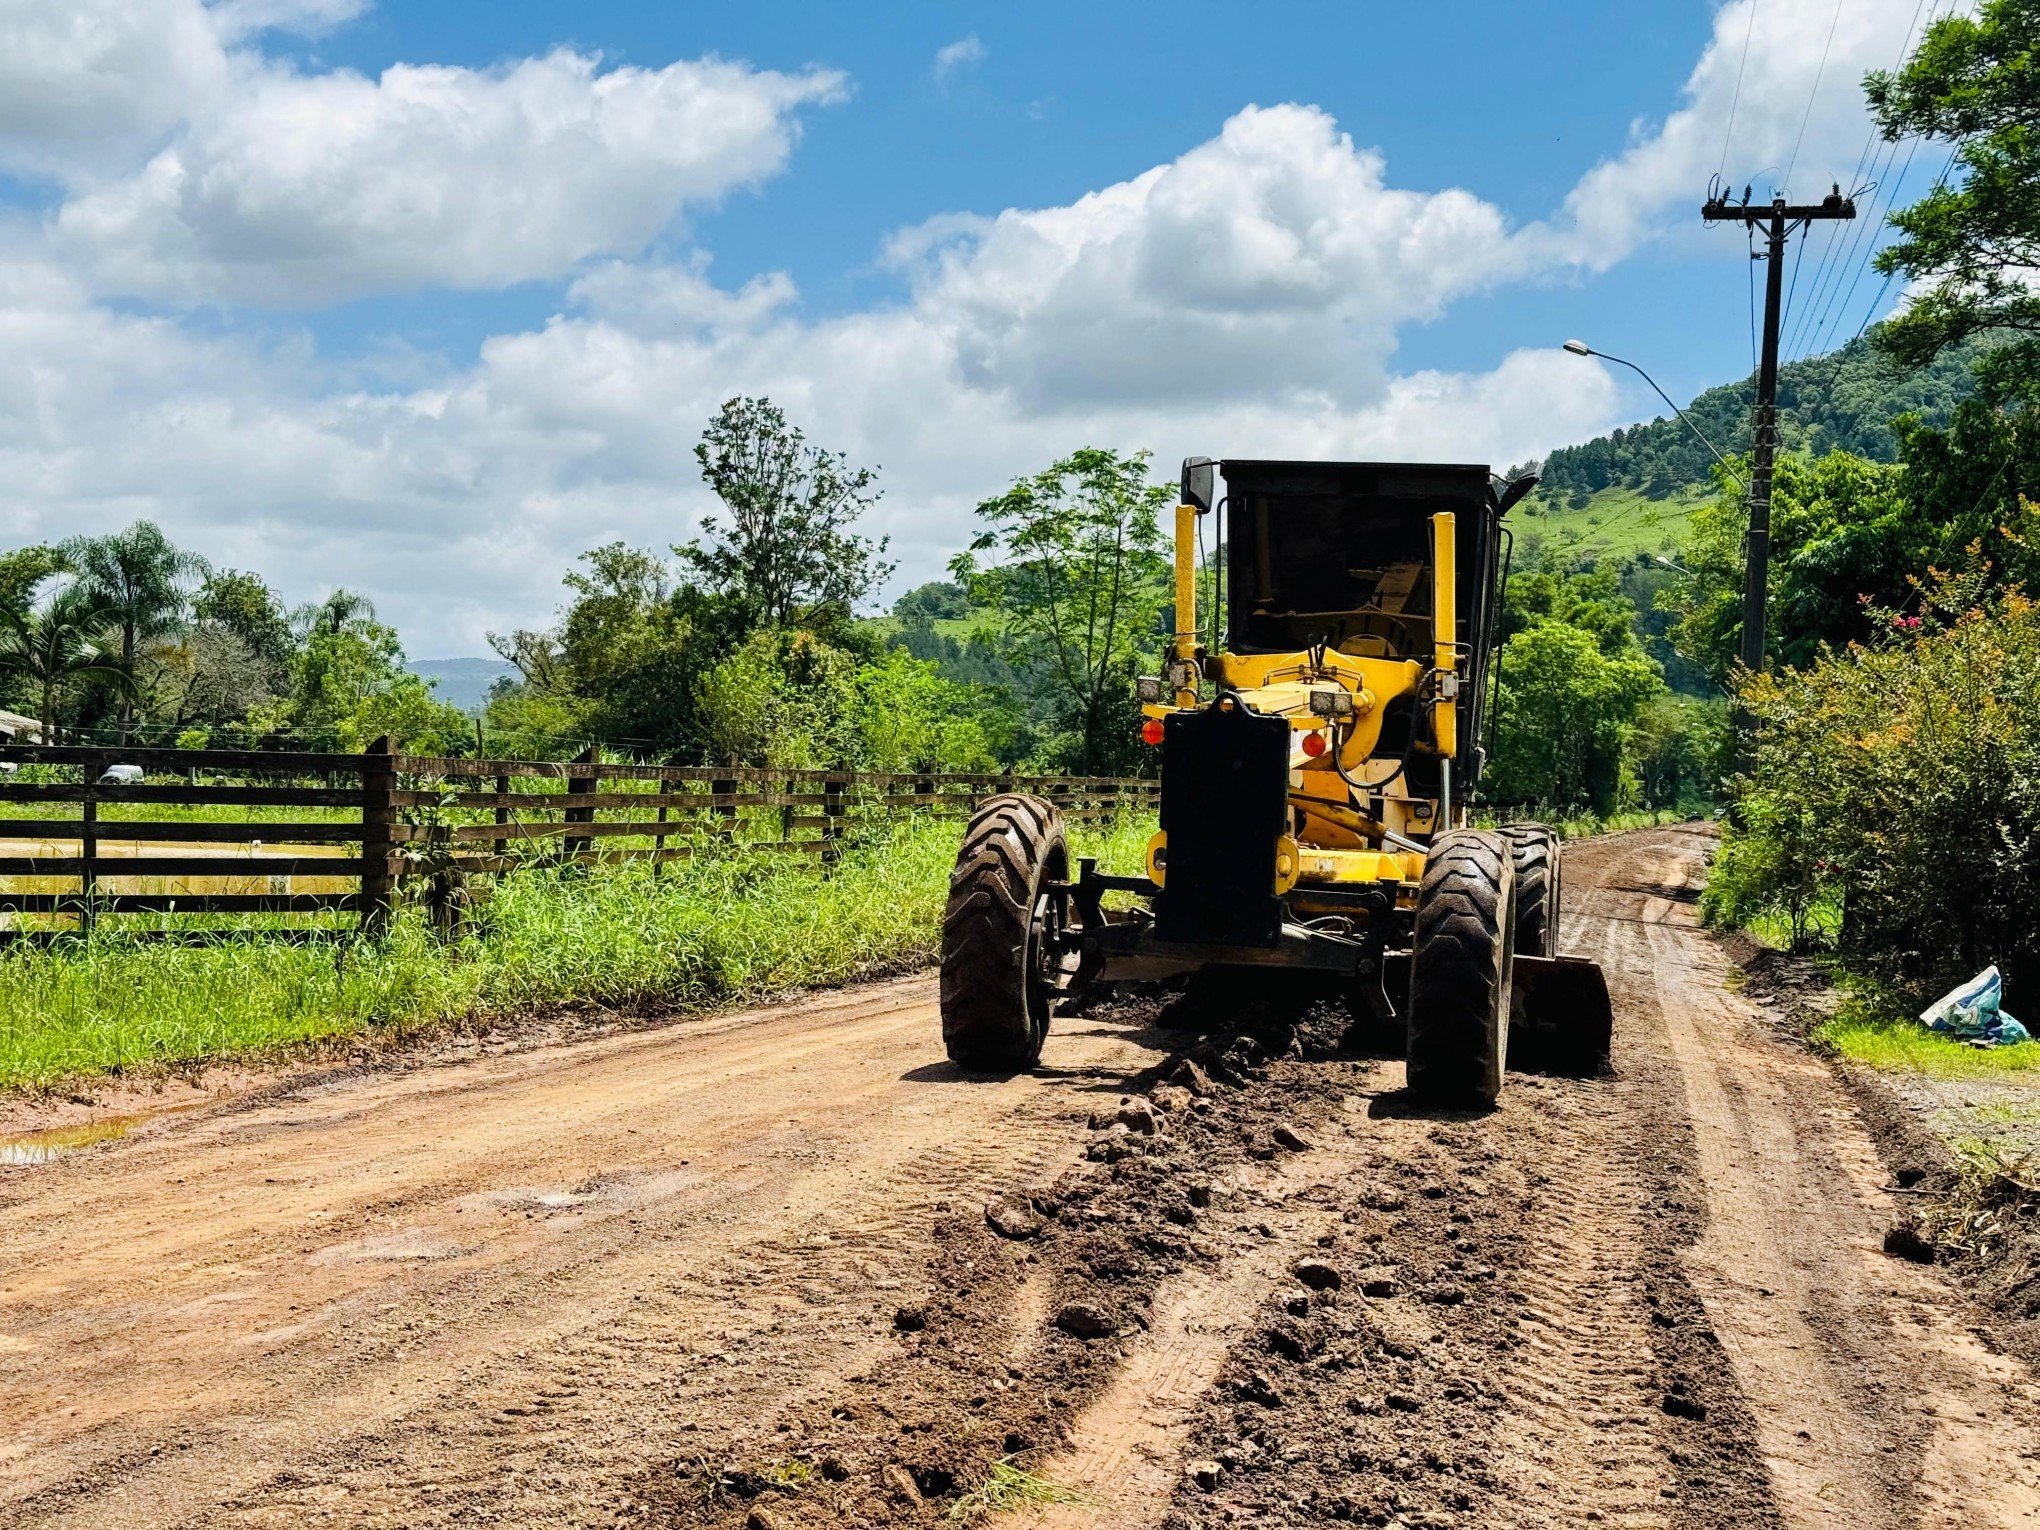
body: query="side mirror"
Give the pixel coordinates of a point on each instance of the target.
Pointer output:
(1198, 481)
(1513, 493)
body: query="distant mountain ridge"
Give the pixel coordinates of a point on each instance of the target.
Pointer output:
(1846, 399)
(463, 683)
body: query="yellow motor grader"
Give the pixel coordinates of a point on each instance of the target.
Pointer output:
(1317, 757)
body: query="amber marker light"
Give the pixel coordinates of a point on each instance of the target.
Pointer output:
(1313, 744)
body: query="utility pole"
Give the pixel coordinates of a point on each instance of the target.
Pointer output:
(1780, 220)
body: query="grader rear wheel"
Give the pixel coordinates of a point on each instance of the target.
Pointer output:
(999, 932)
(1460, 970)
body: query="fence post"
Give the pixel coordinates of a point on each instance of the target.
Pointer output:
(500, 845)
(378, 845)
(88, 853)
(832, 815)
(725, 786)
(659, 839)
(585, 783)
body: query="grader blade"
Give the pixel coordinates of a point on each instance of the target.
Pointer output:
(1561, 1020)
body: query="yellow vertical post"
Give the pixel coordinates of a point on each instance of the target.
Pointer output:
(1186, 594)
(1444, 632)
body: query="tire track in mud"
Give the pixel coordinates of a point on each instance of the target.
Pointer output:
(503, 1288)
(739, 1273)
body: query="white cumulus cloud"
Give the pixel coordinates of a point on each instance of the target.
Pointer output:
(1779, 87)
(306, 190)
(87, 83)
(961, 54)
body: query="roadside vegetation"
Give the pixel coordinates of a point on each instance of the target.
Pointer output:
(1889, 814)
(707, 933)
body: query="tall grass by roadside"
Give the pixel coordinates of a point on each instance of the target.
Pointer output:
(706, 933)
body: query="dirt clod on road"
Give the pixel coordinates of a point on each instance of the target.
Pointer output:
(785, 1269)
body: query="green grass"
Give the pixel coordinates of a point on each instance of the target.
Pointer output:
(1616, 522)
(958, 627)
(1586, 825)
(1823, 924)
(1874, 1034)
(708, 933)
(1007, 1488)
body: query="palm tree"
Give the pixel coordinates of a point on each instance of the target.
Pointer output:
(342, 611)
(58, 643)
(142, 582)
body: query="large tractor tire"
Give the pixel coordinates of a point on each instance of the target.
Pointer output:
(1460, 970)
(1535, 851)
(998, 958)
(1562, 1020)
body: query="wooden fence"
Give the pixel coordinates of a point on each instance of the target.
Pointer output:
(283, 833)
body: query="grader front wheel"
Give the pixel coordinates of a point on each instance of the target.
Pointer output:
(1460, 970)
(999, 935)
(1536, 851)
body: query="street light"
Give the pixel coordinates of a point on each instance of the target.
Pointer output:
(1673, 564)
(1581, 348)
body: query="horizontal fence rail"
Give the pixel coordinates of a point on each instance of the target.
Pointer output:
(213, 832)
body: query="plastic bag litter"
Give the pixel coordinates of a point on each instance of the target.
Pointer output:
(1971, 1012)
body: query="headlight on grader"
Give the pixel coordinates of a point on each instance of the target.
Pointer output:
(1331, 703)
(1182, 675)
(1148, 689)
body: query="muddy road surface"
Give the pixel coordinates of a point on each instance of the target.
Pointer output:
(786, 1268)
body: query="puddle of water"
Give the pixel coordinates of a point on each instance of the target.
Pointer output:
(41, 1147)
(55, 1141)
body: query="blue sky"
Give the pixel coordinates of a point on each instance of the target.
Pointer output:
(428, 297)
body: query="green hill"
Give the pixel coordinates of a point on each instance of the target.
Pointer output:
(1616, 522)
(1847, 399)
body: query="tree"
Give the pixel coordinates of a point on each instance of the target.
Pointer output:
(910, 718)
(1566, 708)
(787, 555)
(1976, 236)
(1900, 779)
(22, 569)
(349, 684)
(141, 581)
(61, 643)
(212, 677)
(936, 601)
(246, 606)
(782, 699)
(342, 611)
(620, 662)
(1080, 586)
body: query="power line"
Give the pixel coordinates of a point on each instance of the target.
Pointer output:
(1798, 260)
(1736, 100)
(1862, 240)
(1811, 95)
(1884, 287)
(1827, 255)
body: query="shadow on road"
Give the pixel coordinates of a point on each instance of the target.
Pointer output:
(1400, 1104)
(1164, 1043)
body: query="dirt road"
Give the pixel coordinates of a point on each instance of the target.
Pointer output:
(738, 1271)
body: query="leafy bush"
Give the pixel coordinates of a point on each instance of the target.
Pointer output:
(1904, 778)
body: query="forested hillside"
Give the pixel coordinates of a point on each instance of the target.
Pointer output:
(1847, 400)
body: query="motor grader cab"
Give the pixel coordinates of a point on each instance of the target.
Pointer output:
(1319, 746)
